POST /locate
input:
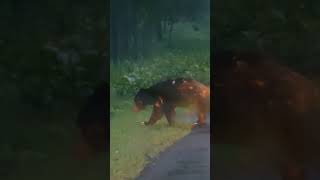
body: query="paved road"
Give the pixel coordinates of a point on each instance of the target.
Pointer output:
(188, 159)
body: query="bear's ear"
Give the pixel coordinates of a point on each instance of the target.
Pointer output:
(142, 92)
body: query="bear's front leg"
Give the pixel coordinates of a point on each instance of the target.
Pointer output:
(156, 115)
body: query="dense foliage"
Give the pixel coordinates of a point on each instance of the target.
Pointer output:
(132, 76)
(289, 29)
(51, 53)
(51, 50)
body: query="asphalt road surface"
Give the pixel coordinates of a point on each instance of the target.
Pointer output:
(188, 159)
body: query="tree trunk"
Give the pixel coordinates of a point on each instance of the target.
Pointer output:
(170, 34)
(159, 30)
(135, 49)
(164, 27)
(113, 42)
(114, 51)
(125, 31)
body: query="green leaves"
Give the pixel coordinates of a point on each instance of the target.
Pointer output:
(170, 65)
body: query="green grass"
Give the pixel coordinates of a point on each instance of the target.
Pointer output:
(133, 144)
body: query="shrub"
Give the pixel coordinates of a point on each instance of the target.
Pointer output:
(128, 76)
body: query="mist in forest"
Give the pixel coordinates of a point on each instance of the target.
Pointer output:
(139, 27)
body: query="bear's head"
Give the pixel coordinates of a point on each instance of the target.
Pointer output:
(142, 99)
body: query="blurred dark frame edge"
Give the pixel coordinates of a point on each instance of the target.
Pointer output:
(108, 92)
(212, 49)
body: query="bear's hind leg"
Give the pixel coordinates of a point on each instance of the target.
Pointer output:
(202, 110)
(170, 113)
(201, 118)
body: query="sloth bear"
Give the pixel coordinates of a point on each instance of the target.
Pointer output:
(167, 95)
